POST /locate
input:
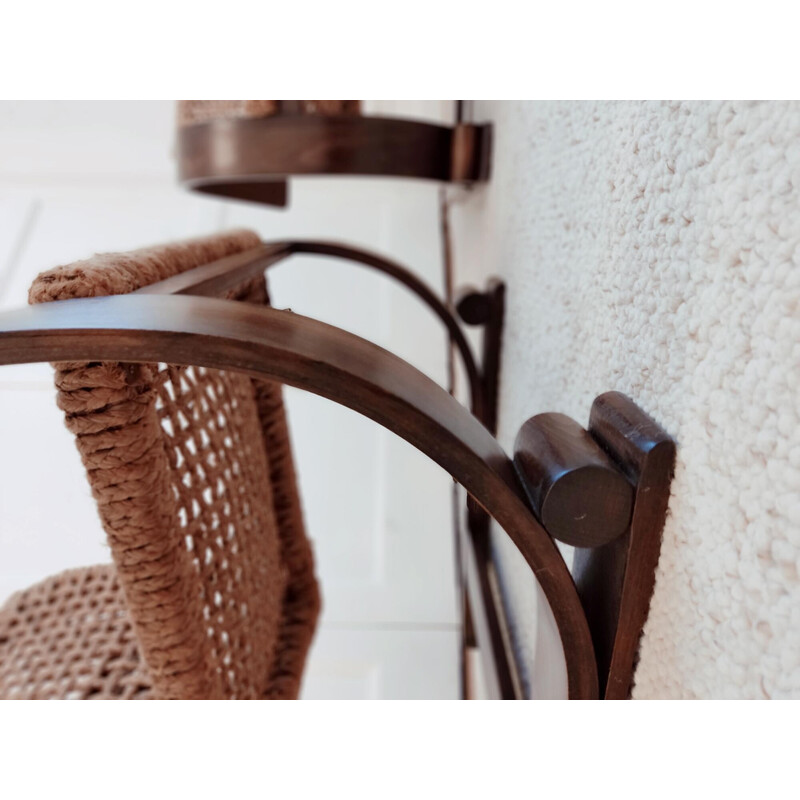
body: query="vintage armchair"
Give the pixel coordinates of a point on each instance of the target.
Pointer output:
(168, 368)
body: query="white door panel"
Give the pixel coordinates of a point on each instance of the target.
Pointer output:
(18, 213)
(48, 518)
(378, 511)
(383, 664)
(72, 142)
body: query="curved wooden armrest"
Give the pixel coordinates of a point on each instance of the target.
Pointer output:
(319, 358)
(214, 279)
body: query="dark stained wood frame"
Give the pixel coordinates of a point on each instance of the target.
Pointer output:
(212, 280)
(179, 321)
(485, 625)
(250, 159)
(616, 581)
(319, 358)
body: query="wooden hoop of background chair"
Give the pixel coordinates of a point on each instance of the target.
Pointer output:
(251, 158)
(213, 279)
(319, 358)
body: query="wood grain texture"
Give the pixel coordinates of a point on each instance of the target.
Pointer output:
(310, 355)
(574, 488)
(214, 279)
(237, 156)
(616, 581)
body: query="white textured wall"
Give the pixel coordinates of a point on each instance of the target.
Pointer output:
(654, 248)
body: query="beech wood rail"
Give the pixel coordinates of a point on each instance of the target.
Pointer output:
(605, 490)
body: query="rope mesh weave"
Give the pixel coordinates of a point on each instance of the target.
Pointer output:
(193, 476)
(70, 637)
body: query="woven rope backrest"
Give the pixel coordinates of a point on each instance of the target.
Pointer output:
(191, 469)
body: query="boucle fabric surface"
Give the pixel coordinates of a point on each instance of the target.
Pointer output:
(194, 480)
(654, 248)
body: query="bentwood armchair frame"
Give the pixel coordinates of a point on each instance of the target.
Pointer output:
(180, 321)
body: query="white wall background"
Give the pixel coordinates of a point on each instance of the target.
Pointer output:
(79, 178)
(654, 248)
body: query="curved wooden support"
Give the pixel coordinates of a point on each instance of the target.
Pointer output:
(616, 581)
(329, 362)
(214, 279)
(419, 288)
(246, 158)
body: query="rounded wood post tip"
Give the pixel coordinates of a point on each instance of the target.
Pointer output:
(574, 488)
(472, 305)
